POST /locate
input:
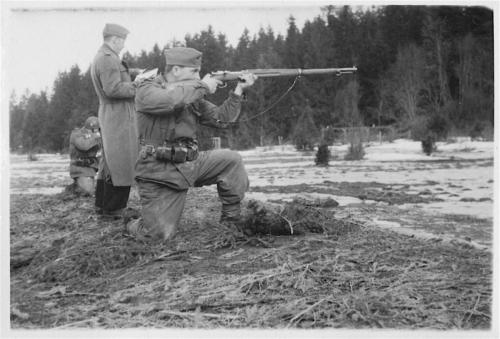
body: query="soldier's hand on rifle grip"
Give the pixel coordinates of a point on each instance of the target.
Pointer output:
(211, 83)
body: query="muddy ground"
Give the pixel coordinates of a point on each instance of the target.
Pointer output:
(86, 272)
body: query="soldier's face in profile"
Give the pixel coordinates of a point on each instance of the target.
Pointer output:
(187, 73)
(119, 44)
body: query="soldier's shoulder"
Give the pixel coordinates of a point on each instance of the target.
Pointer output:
(105, 57)
(104, 50)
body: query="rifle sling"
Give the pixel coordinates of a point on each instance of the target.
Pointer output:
(268, 108)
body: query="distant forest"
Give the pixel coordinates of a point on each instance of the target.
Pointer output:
(416, 64)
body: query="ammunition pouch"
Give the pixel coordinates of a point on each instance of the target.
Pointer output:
(163, 153)
(177, 152)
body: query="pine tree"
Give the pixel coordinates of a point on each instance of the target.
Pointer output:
(62, 105)
(17, 112)
(36, 116)
(243, 57)
(293, 57)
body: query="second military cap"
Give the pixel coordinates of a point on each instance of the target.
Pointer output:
(183, 56)
(115, 30)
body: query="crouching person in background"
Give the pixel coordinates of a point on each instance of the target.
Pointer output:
(169, 111)
(85, 150)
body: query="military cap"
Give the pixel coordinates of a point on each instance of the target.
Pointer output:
(115, 30)
(92, 123)
(183, 56)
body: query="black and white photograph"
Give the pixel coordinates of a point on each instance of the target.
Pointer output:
(193, 169)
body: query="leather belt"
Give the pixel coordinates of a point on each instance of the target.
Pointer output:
(177, 152)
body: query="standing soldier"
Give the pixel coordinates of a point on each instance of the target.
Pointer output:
(116, 91)
(169, 109)
(84, 151)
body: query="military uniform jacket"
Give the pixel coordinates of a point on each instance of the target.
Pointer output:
(117, 118)
(84, 149)
(168, 111)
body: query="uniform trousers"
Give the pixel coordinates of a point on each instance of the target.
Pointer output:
(162, 206)
(108, 197)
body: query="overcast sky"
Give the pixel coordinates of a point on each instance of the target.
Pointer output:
(43, 39)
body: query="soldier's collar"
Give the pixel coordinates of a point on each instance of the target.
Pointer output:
(108, 50)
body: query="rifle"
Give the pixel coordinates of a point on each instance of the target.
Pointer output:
(281, 72)
(260, 72)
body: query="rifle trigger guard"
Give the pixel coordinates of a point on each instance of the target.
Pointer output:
(224, 85)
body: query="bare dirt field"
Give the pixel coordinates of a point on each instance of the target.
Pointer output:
(407, 245)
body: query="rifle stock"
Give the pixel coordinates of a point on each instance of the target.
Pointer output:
(281, 72)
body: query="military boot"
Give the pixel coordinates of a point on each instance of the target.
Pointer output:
(231, 216)
(229, 229)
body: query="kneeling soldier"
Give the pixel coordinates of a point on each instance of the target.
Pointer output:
(84, 150)
(169, 109)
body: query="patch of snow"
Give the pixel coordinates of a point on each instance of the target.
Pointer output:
(277, 164)
(270, 151)
(40, 174)
(37, 190)
(342, 200)
(396, 227)
(282, 175)
(397, 163)
(483, 210)
(42, 158)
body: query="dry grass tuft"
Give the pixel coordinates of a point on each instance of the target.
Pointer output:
(86, 257)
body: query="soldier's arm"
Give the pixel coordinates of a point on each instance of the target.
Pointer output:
(110, 76)
(155, 99)
(84, 142)
(217, 116)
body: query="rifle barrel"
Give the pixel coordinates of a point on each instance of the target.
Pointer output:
(282, 72)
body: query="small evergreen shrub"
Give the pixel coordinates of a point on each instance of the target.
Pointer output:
(429, 130)
(429, 144)
(322, 155)
(32, 157)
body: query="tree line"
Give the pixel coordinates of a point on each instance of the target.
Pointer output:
(418, 67)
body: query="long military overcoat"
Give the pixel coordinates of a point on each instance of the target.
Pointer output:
(117, 117)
